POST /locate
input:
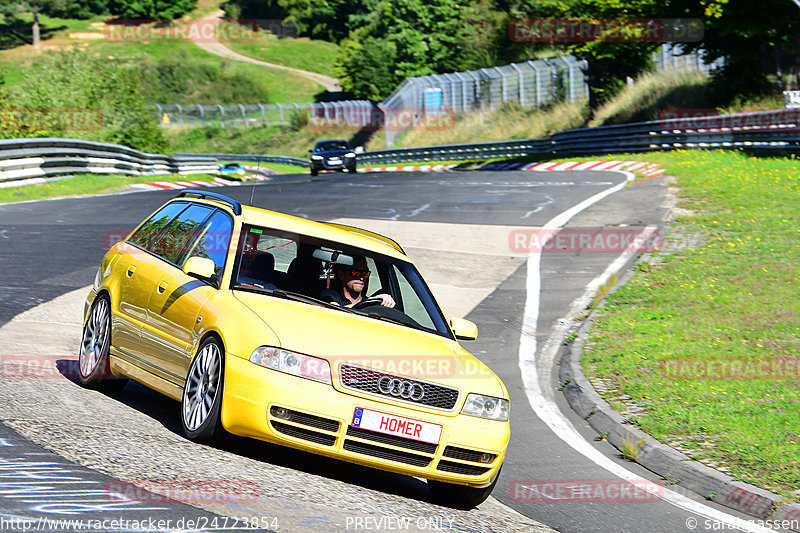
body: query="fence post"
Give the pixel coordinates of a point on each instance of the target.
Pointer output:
(202, 115)
(504, 94)
(521, 84)
(244, 116)
(180, 114)
(463, 92)
(222, 116)
(263, 114)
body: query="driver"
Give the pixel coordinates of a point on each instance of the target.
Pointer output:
(352, 281)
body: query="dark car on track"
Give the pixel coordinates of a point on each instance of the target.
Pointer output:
(336, 154)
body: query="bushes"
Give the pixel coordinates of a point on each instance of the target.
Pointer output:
(75, 83)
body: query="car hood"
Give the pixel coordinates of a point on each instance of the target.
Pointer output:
(343, 337)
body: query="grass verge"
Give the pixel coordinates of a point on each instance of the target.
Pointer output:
(706, 335)
(85, 184)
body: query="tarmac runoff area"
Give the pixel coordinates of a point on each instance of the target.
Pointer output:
(135, 435)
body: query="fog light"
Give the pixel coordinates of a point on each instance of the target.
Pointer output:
(280, 412)
(486, 458)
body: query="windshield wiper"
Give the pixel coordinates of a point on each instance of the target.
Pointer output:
(289, 295)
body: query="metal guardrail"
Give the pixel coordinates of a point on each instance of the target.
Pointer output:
(779, 129)
(45, 157)
(771, 130)
(282, 159)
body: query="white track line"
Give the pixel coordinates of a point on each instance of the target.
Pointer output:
(545, 406)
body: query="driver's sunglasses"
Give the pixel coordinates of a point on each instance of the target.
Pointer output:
(356, 273)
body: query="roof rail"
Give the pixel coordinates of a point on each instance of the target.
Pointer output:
(367, 233)
(203, 195)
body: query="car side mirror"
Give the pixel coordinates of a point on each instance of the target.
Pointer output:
(464, 330)
(199, 267)
(310, 151)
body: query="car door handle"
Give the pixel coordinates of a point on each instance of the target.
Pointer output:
(131, 270)
(162, 287)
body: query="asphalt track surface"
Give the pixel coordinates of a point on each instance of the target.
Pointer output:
(49, 248)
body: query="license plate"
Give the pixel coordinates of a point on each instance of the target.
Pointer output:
(400, 426)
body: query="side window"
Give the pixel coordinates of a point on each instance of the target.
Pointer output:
(173, 239)
(412, 305)
(147, 232)
(213, 240)
(283, 250)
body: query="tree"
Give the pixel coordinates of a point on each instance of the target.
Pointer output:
(404, 38)
(750, 37)
(151, 9)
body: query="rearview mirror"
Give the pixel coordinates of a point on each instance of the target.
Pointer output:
(199, 267)
(332, 257)
(463, 329)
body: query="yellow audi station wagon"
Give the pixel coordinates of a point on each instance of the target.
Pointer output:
(313, 335)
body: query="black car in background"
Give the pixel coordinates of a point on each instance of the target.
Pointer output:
(334, 154)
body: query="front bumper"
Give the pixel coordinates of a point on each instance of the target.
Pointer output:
(319, 418)
(335, 165)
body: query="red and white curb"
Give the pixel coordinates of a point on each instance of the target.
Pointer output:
(651, 170)
(165, 185)
(411, 168)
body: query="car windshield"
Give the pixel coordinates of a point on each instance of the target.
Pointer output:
(331, 145)
(278, 264)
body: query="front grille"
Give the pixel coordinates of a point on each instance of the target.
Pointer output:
(466, 455)
(304, 418)
(394, 440)
(305, 434)
(386, 453)
(458, 468)
(366, 380)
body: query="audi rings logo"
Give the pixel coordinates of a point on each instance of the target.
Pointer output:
(401, 389)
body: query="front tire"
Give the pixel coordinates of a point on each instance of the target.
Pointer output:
(460, 496)
(314, 171)
(94, 366)
(352, 169)
(202, 395)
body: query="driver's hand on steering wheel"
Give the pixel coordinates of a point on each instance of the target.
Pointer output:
(386, 299)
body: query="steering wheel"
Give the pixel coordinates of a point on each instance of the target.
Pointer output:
(368, 302)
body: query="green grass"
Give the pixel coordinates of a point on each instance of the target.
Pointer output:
(85, 184)
(303, 53)
(272, 140)
(263, 84)
(706, 336)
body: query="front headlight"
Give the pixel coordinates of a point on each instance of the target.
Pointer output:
(349, 154)
(317, 157)
(296, 364)
(486, 407)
